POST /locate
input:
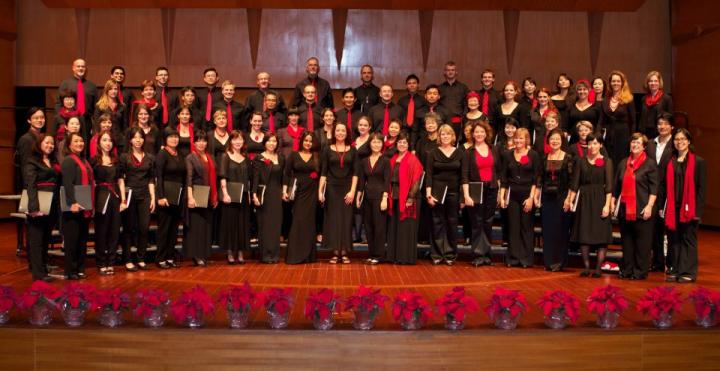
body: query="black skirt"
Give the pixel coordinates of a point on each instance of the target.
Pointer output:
(235, 226)
(338, 218)
(301, 246)
(198, 240)
(402, 238)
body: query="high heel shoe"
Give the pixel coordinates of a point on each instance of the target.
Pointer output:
(231, 259)
(334, 260)
(585, 273)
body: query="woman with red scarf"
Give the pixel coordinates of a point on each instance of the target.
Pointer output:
(405, 175)
(200, 171)
(654, 103)
(75, 170)
(684, 185)
(267, 197)
(302, 168)
(147, 98)
(290, 136)
(636, 186)
(67, 110)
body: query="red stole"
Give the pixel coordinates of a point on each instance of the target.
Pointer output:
(410, 173)
(651, 101)
(192, 135)
(295, 134)
(210, 173)
(86, 178)
(687, 207)
(628, 186)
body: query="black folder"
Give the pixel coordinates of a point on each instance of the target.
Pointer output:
(83, 196)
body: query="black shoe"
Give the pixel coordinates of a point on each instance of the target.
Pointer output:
(72, 277)
(671, 278)
(449, 262)
(478, 262)
(686, 279)
(82, 275)
(164, 265)
(585, 273)
(596, 274)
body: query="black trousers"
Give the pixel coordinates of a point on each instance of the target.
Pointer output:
(39, 231)
(481, 220)
(169, 219)
(683, 244)
(107, 233)
(555, 230)
(444, 228)
(75, 232)
(136, 224)
(636, 244)
(375, 228)
(658, 248)
(520, 234)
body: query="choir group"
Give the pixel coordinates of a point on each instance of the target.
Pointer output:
(393, 172)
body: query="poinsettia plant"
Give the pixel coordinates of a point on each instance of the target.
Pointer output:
(77, 296)
(506, 301)
(321, 304)
(8, 298)
(149, 300)
(40, 292)
(607, 299)
(239, 298)
(706, 301)
(411, 305)
(277, 300)
(191, 304)
(455, 305)
(659, 300)
(563, 301)
(112, 299)
(366, 300)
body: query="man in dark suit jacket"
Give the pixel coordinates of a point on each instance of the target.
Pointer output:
(235, 110)
(255, 101)
(489, 97)
(167, 99)
(309, 110)
(377, 113)
(323, 93)
(208, 96)
(86, 103)
(432, 97)
(412, 82)
(367, 95)
(660, 150)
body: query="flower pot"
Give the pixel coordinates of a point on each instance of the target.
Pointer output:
(664, 321)
(363, 320)
(708, 321)
(4, 317)
(196, 321)
(111, 318)
(74, 317)
(506, 321)
(413, 323)
(41, 314)
(237, 318)
(557, 319)
(323, 324)
(453, 325)
(608, 320)
(277, 320)
(155, 319)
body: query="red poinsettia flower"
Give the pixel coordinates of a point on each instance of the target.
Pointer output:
(599, 161)
(410, 305)
(659, 300)
(191, 303)
(277, 300)
(524, 160)
(39, 292)
(239, 298)
(559, 300)
(366, 300)
(607, 298)
(77, 296)
(456, 304)
(112, 299)
(506, 301)
(706, 301)
(314, 175)
(148, 300)
(321, 304)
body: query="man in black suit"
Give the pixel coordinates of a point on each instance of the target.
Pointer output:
(309, 110)
(85, 102)
(163, 95)
(235, 111)
(367, 95)
(489, 97)
(660, 149)
(385, 111)
(208, 96)
(254, 101)
(453, 93)
(323, 93)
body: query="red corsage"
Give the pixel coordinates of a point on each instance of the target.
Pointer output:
(524, 160)
(599, 162)
(314, 175)
(267, 162)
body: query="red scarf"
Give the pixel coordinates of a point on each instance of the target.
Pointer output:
(651, 101)
(295, 134)
(628, 186)
(410, 173)
(192, 135)
(86, 178)
(387, 144)
(687, 208)
(484, 165)
(210, 173)
(580, 149)
(546, 145)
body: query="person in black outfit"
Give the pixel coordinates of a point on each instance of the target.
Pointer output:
(520, 177)
(41, 173)
(168, 101)
(267, 196)
(636, 187)
(581, 110)
(411, 101)
(170, 171)
(143, 119)
(423, 146)
(200, 171)
(110, 104)
(655, 102)
(442, 190)
(125, 95)
(75, 171)
(235, 167)
(685, 189)
(109, 202)
(186, 132)
(207, 97)
(147, 98)
(324, 97)
(564, 97)
(24, 148)
(382, 113)
(311, 113)
(236, 115)
(257, 100)
(188, 100)
(302, 169)
(367, 94)
(537, 114)
(617, 116)
(372, 198)
(79, 83)
(432, 98)
(489, 97)
(509, 107)
(660, 149)
(348, 113)
(481, 167)
(453, 93)
(275, 116)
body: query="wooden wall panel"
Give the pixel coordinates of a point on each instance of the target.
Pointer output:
(8, 37)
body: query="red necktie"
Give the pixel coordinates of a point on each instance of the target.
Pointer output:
(349, 119)
(208, 106)
(229, 117)
(163, 101)
(486, 97)
(314, 84)
(120, 96)
(410, 111)
(271, 122)
(386, 119)
(309, 119)
(80, 97)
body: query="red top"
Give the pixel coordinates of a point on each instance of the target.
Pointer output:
(484, 165)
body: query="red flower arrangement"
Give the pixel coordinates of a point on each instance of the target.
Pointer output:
(239, 298)
(607, 299)
(77, 296)
(321, 304)
(191, 304)
(659, 300)
(149, 300)
(455, 304)
(409, 305)
(524, 160)
(314, 175)
(599, 161)
(40, 292)
(706, 301)
(277, 300)
(506, 301)
(112, 299)
(559, 300)
(366, 300)
(8, 298)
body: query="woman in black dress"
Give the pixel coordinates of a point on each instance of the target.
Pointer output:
(442, 190)
(527, 95)
(372, 198)
(581, 110)
(590, 199)
(147, 98)
(109, 103)
(537, 114)
(361, 142)
(519, 178)
(75, 222)
(170, 171)
(654, 103)
(217, 144)
(636, 187)
(138, 170)
(187, 100)
(684, 184)
(481, 168)
(256, 136)
(617, 116)
(325, 132)
(473, 114)
(556, 175)
(235, 167)
(302, 171)
(423, 146)
(143, 119)
(563, 98)
(41, 173)
(404, 191)
(267, 196)
(200, 171)
(509, 107)
(186, 132)
(109, 202)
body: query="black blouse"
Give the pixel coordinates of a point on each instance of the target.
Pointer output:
(138, 175)
(235, 172)
(331, 165)
(253, 147)
(374, 180)
(266, 172)
(575, 115)
(587, 174)
(518, 114)
(306, 172)
(36, 172)
(424, 146)
(521, 176)
(106, 179)
(168, 168)
(556, 175)
(72, 176)
(444, 170)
